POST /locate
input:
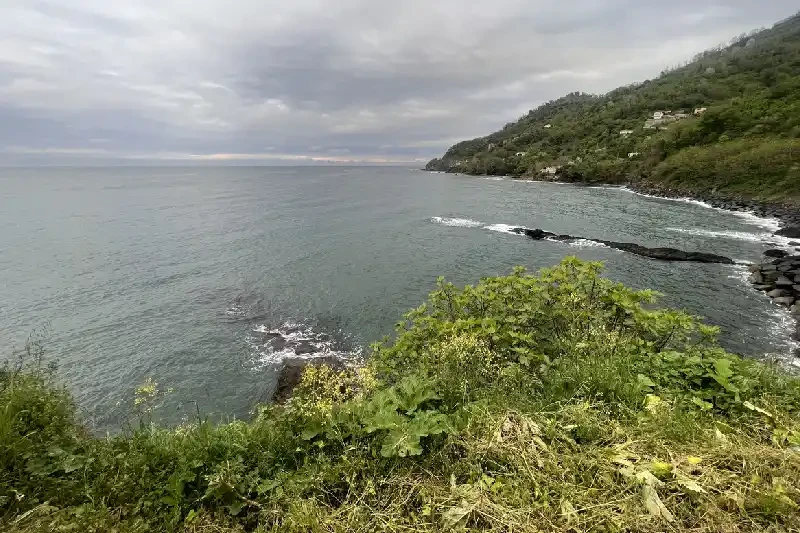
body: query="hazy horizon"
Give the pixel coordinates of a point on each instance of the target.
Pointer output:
(363, 82)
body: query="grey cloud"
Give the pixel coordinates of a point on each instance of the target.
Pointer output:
(355, 78)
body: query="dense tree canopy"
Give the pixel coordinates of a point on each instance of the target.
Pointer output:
(750, 126)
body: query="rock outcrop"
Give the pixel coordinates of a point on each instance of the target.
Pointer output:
(662, 254)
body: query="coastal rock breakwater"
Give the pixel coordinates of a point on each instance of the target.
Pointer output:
(662, 254)
(778, 275)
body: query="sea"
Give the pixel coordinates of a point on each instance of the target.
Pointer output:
(208, 279)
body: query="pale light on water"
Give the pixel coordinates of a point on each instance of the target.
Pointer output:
(178, 273)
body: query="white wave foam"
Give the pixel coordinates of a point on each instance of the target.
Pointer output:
(457, 222)
(724, 234)
(501, 228)
(774, 240)
(290, 341)
(494, 178)
(769, 223)
(783, 321)
(585, 243)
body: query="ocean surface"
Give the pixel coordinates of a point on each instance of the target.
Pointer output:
(178, 273)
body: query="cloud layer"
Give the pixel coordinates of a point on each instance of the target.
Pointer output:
(365, 80)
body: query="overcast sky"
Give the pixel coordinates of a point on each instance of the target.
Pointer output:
(347, 80)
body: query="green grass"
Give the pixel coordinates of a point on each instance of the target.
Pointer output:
(556, 402)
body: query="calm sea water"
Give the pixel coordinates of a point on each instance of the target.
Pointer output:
(173, 272)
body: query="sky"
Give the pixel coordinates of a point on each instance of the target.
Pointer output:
(305, 81)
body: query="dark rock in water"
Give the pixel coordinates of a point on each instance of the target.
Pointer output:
(756, 277)
(785, 267)
(667, 254)
(783, 282)
(793, 232)
(795, 310)
(771, 277)
(779, 293)
(536, 234)
(794, 243)
(769, 268)
(761, 287)
(292, 372)
(304, 348)
(278, 343)
(663, 254)
(784, 300)
(776, 253)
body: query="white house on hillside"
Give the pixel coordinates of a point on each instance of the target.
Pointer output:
(658, 115)
(625, 133)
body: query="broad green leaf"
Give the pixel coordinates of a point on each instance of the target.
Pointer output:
(757, 409)
(645, 381)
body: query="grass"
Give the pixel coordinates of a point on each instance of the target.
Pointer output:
(557, 402)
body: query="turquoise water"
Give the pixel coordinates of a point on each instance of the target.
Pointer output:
(174, 272)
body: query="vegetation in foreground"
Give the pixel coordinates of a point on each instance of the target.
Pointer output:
(745, 145)
(556, 402)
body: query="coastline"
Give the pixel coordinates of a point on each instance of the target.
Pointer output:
(786, 214)
(773, 215)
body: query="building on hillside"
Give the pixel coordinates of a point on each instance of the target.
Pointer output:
(658, 115)
(700, 110)
(625, 133)
(680, 116)
(548, 126)
(551, 171)
(631, 155)
(521, 154)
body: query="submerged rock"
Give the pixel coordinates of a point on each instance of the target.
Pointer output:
(776, 253)
(305, 348)
(793, 232)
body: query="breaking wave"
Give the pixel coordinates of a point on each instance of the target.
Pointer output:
(724, 234)
(294, 340)
(457, 222)
(768, 223)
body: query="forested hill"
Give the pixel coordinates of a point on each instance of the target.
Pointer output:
(730, 127)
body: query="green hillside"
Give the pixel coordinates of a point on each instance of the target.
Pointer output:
(745, 144)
